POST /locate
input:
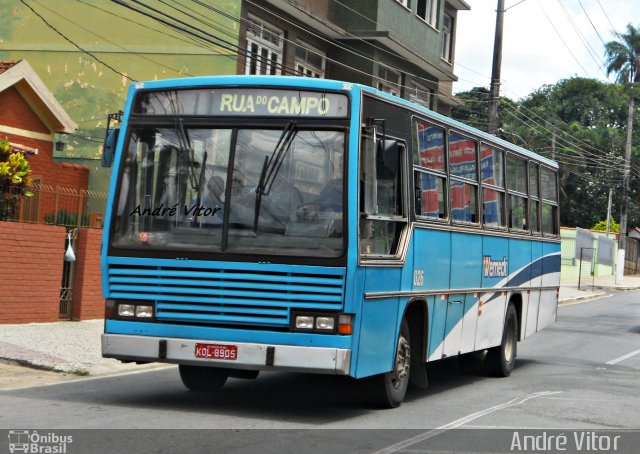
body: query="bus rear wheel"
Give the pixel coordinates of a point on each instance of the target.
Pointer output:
(500, 360)
(201, 378)
(388, 390)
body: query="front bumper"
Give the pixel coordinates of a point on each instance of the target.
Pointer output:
(323, 360)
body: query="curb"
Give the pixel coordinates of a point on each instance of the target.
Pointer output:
(615, 288)
(579, 299)
(61, 369)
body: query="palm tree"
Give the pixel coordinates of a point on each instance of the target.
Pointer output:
(623, 59)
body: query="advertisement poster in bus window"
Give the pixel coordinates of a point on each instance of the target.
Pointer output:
(431, 156)
(490, 171)
(462, 163)
(430, 147)
(432, 195)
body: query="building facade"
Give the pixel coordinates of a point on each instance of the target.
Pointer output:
(403, 47)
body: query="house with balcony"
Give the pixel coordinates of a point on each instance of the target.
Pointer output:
(403, 47)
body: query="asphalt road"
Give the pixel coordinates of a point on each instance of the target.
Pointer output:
(581, 374)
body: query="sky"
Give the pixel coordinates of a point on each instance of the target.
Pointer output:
(534, 53)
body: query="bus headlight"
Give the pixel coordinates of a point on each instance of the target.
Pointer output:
(320, 322)
(304, 322)
(325, 323)
(143, 311)
(126, 310)
(130, 310)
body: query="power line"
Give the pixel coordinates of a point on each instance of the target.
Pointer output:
(236, 47)
(74, 44)
(562, 39)
(584, 41)
(188, 39)
(591, 22)
(109, 41)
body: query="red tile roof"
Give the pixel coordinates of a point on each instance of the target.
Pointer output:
(7, 64)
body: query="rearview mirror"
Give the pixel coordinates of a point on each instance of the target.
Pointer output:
(109, 146)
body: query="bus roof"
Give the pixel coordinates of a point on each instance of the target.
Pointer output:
(328, 84)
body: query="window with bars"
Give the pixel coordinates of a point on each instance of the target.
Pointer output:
(264, 48)
(388, 81)
(309, 62)
(447, 38)
(420, 95)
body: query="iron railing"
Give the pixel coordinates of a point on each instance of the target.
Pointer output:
(55, 205)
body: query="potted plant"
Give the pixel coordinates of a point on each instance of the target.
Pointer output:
(14, 180)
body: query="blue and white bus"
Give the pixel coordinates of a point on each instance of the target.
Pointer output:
(277, 223)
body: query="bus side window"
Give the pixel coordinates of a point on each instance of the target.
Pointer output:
(430, 195)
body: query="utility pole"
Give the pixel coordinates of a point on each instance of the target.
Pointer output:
(609, 213)
(625, 178)
(553, 143)
(494, 91)
(622, 239)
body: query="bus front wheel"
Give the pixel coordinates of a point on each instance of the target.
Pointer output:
(201, 378)
(388, 390)
(500, 360)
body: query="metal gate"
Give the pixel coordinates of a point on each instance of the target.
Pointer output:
(632, 257)
(586, 270)
(68, 277)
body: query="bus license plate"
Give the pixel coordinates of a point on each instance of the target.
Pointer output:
(217, 351)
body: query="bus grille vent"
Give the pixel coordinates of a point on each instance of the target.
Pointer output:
(225, 296)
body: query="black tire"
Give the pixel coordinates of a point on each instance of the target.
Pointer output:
(501, 360)
(201, 378)
(388, 390)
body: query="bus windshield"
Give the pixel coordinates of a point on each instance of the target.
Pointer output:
(247, 191)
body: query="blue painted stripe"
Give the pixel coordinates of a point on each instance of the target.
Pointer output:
(544, 265)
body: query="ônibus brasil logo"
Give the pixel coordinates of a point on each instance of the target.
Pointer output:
(494, 268)
(29, 441)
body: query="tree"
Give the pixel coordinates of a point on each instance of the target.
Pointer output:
(623, 59)
(590, 119)
(602, 226)
(474, 112)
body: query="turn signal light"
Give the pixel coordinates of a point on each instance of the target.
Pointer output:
(345, 324)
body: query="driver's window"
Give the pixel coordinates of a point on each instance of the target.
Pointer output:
(382, 214)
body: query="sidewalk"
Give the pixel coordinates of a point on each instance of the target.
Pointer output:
(69, 347)
(594, 287)
(74, 347)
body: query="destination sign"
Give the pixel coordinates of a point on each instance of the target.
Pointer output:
(248, 102)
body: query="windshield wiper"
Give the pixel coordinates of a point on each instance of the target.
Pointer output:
(272, 165)
(185, 146)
